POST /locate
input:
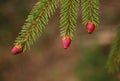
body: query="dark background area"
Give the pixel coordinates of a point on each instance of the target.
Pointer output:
(46, 60)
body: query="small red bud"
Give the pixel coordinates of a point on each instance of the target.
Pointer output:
(16, 50)
(66, 41)
(90, 27)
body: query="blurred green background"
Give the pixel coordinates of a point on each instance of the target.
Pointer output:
(46, 60)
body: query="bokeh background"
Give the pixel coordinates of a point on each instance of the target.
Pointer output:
(46, 60)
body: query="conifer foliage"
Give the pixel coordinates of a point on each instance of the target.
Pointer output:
(113, 63)
(35, 23)
(90, 11)
(44, 9)
(68, 17)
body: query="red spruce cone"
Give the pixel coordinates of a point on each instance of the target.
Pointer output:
(66, 41)
(90, 27)
(16, 50)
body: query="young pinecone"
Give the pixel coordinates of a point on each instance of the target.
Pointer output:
(17, 49)
(90, 27)
(66, 41)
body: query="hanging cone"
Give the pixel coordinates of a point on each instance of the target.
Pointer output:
(16, 50)
(66, 41)
(90, 27)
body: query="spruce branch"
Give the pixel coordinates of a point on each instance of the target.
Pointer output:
(113, 62)
(42, 11)
(68, 17)
(90, 11)
(35, 23)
